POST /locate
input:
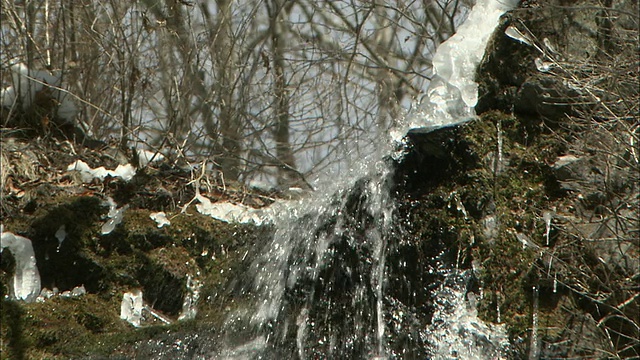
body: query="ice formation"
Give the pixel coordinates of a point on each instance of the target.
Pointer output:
(125, 172)
(26, 280)
(228, 212)
(547, 216)
(61, 234)
(189, 309)
(114, 216)
(28, 83)
(516, 34)
(131, 307)
(160, 218)
(75, 292)
(453, 92)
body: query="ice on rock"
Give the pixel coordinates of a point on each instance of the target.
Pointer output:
(114, 216)
(160, 218)
(453, 93)
(131, 307)
(26, 280)
(516, 34)
(75, 292)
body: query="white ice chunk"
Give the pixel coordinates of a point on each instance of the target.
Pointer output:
(453, 92)
(228, 212)
(26, 280)
(125, 172)
(516, 34)
(78, 291)
(131, 307)
(160, 218)
(146, 156)
(115, 216)
(75, 292)
(45, 294)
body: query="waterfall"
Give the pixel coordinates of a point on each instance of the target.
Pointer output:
(318, 287)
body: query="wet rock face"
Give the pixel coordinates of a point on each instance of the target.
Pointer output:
(433, 158)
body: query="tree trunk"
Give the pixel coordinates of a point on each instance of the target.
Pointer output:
(287, 174)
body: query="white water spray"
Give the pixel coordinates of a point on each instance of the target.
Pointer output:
(317, 238)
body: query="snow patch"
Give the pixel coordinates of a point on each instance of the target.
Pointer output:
(26, 280)
(125, 172)
(228, 212)
(27, 84)
(145, 157)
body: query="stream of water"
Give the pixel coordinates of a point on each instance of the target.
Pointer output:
(320, 286)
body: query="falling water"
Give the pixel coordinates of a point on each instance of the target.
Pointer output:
(319, 286)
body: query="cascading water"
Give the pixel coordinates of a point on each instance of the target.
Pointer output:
(320, 286)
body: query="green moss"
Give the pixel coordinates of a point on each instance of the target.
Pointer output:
(516, 195)
(136, 254)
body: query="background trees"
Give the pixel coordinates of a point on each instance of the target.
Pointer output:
(268, 91)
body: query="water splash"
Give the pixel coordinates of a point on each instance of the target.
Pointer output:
(456, 332)
(319, 286)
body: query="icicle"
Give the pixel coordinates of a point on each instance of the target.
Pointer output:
(534, 352)
(114, 216)
(189, 305)
(547, 216)
(498, 168)
(499, 319)
(61, 234)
